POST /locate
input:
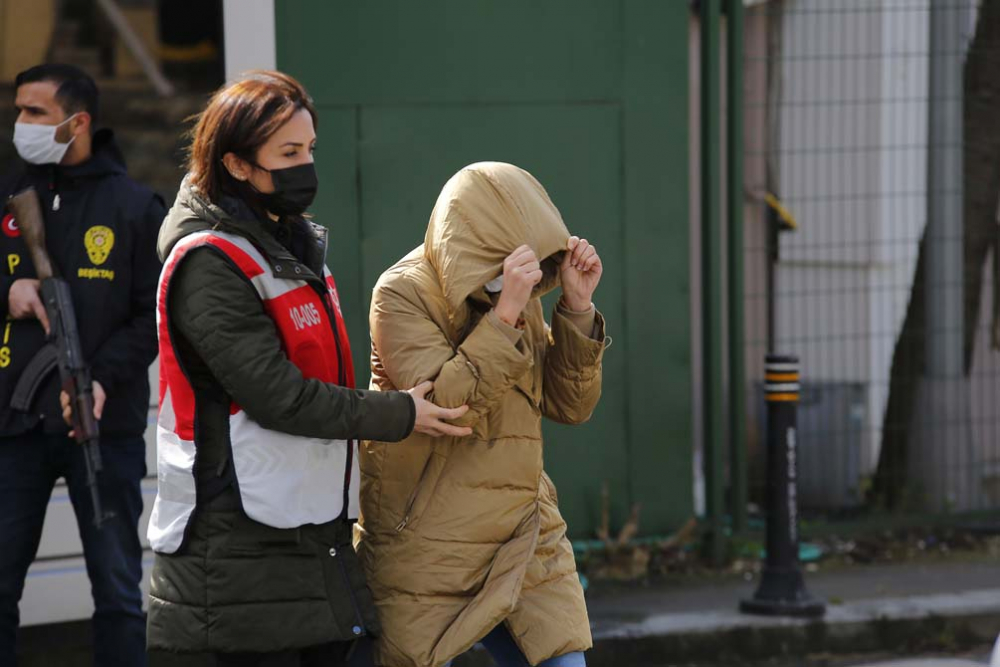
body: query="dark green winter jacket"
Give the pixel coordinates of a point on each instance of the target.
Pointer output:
(236, 584)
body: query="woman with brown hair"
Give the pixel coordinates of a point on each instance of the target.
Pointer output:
(259, 421)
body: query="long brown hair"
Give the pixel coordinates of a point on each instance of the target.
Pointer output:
(239, 119)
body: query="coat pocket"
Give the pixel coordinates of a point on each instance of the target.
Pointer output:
(252, 538)
(423, 491)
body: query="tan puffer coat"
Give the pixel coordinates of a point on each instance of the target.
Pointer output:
(460, 534)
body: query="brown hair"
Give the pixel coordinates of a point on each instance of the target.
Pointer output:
(239, 119)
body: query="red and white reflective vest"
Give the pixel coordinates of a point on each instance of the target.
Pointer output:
(284, 480)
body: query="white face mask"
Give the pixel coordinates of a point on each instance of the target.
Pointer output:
(495, 285)
(36, 144)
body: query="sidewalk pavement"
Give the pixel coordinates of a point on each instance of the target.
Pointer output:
(902, 609)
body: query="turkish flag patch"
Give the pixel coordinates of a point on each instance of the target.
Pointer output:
(10, 227)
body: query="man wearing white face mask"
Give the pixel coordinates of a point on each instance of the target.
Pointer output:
(39, 143)
(101, 230)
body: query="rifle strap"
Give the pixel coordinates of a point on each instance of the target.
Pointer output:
(43, 363)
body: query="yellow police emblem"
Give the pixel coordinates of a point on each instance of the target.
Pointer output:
(99, 241)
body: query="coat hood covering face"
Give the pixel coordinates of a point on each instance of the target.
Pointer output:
(484, 213)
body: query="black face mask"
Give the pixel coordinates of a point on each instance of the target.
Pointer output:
(294, 189)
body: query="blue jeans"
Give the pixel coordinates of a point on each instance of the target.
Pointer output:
(505, 653)
(30, 464)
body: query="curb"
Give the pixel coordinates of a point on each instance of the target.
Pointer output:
(897, 625)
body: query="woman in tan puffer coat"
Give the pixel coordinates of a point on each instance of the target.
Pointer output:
(461, 538)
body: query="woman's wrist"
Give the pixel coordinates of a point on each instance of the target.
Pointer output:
(505, 316)
(576, 305)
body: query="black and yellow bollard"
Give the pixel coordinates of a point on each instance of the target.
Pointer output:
(782, 590)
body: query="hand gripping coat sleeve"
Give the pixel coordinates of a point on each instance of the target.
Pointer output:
(477, 373)
(220, 315)
(572, 380)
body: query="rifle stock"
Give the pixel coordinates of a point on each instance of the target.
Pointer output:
(27, 210)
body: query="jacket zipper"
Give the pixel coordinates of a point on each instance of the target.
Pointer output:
(413, 496)
(406, 513)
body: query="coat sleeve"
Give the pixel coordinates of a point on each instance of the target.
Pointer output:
(128, 351)
(220, 315)
(412, 348)
(571, 384)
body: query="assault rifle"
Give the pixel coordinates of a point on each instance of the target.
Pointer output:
(64, 338)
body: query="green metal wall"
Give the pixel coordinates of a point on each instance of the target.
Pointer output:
(588, 95)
